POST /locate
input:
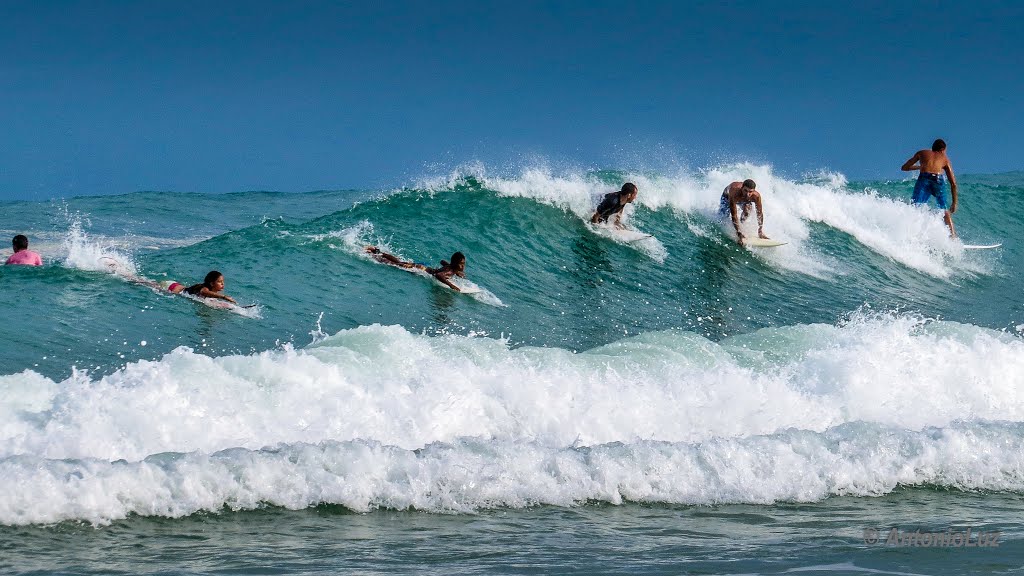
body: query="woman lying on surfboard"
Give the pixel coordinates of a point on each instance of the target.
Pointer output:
(457, 267)
(211, 287)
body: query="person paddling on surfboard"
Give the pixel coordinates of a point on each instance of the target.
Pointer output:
(932, 163)
(613, 203)
(457, 267)
(742, 193)
(212, 287)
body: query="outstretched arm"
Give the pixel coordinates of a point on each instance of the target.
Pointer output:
(910, 165)
(444, 280)
(952, 186)
(735, 221)
(760, 217)
(206, 293)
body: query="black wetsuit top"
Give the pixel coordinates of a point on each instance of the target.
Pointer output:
(194, 289)
(612, 204)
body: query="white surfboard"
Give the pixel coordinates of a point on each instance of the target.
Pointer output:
(981, 246)
(465, 286)
(623, 235)
(250, 311)
(762, 242)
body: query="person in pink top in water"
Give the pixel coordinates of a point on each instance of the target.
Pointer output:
(22, 255)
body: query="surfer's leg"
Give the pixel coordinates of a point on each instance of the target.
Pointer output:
(723, 207)
(948, 219)
(939, 191)
(390, 259)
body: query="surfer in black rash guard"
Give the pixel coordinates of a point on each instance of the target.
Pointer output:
(613, 203)
(457, 267)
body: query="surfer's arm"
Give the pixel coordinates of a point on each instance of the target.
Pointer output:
(910, 165)
(735, 220)
(206, 293)
(952, 186)
(760, 216)
(444, 280)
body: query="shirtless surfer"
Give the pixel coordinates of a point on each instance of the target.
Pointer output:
(932, 163)
(742, 193)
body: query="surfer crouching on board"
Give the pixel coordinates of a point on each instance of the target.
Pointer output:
(457, 267)
(613, 203)
(932, 163)
(742, 193)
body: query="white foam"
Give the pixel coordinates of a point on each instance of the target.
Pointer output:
(377, 416)
(469, 474)
(98, 255)
(382, 382)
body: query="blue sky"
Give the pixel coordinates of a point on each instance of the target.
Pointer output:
(106, 98)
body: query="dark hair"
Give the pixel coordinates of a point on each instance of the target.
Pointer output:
(749, 184)
(211, 277)
(458, 257)
(939, 145)
(629, 188)
(20, 242)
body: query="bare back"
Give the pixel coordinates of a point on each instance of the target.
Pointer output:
(931, 161)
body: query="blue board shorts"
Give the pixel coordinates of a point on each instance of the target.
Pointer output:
(723, 207)
(929, 185)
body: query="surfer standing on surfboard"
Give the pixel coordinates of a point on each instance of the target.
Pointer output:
(744, 193)
(613, 203)
(932, 163)
(457, 267)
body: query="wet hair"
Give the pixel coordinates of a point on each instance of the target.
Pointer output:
(939, 145)
(20, 242)
(629, 188)
(211, 277)
(458, 257)
(749, 184)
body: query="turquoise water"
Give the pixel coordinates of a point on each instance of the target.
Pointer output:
(674, 404)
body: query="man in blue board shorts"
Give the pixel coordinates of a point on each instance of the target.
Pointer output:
(738, 197)
(932, 163)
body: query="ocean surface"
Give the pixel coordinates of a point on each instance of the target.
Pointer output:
(851, 402)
